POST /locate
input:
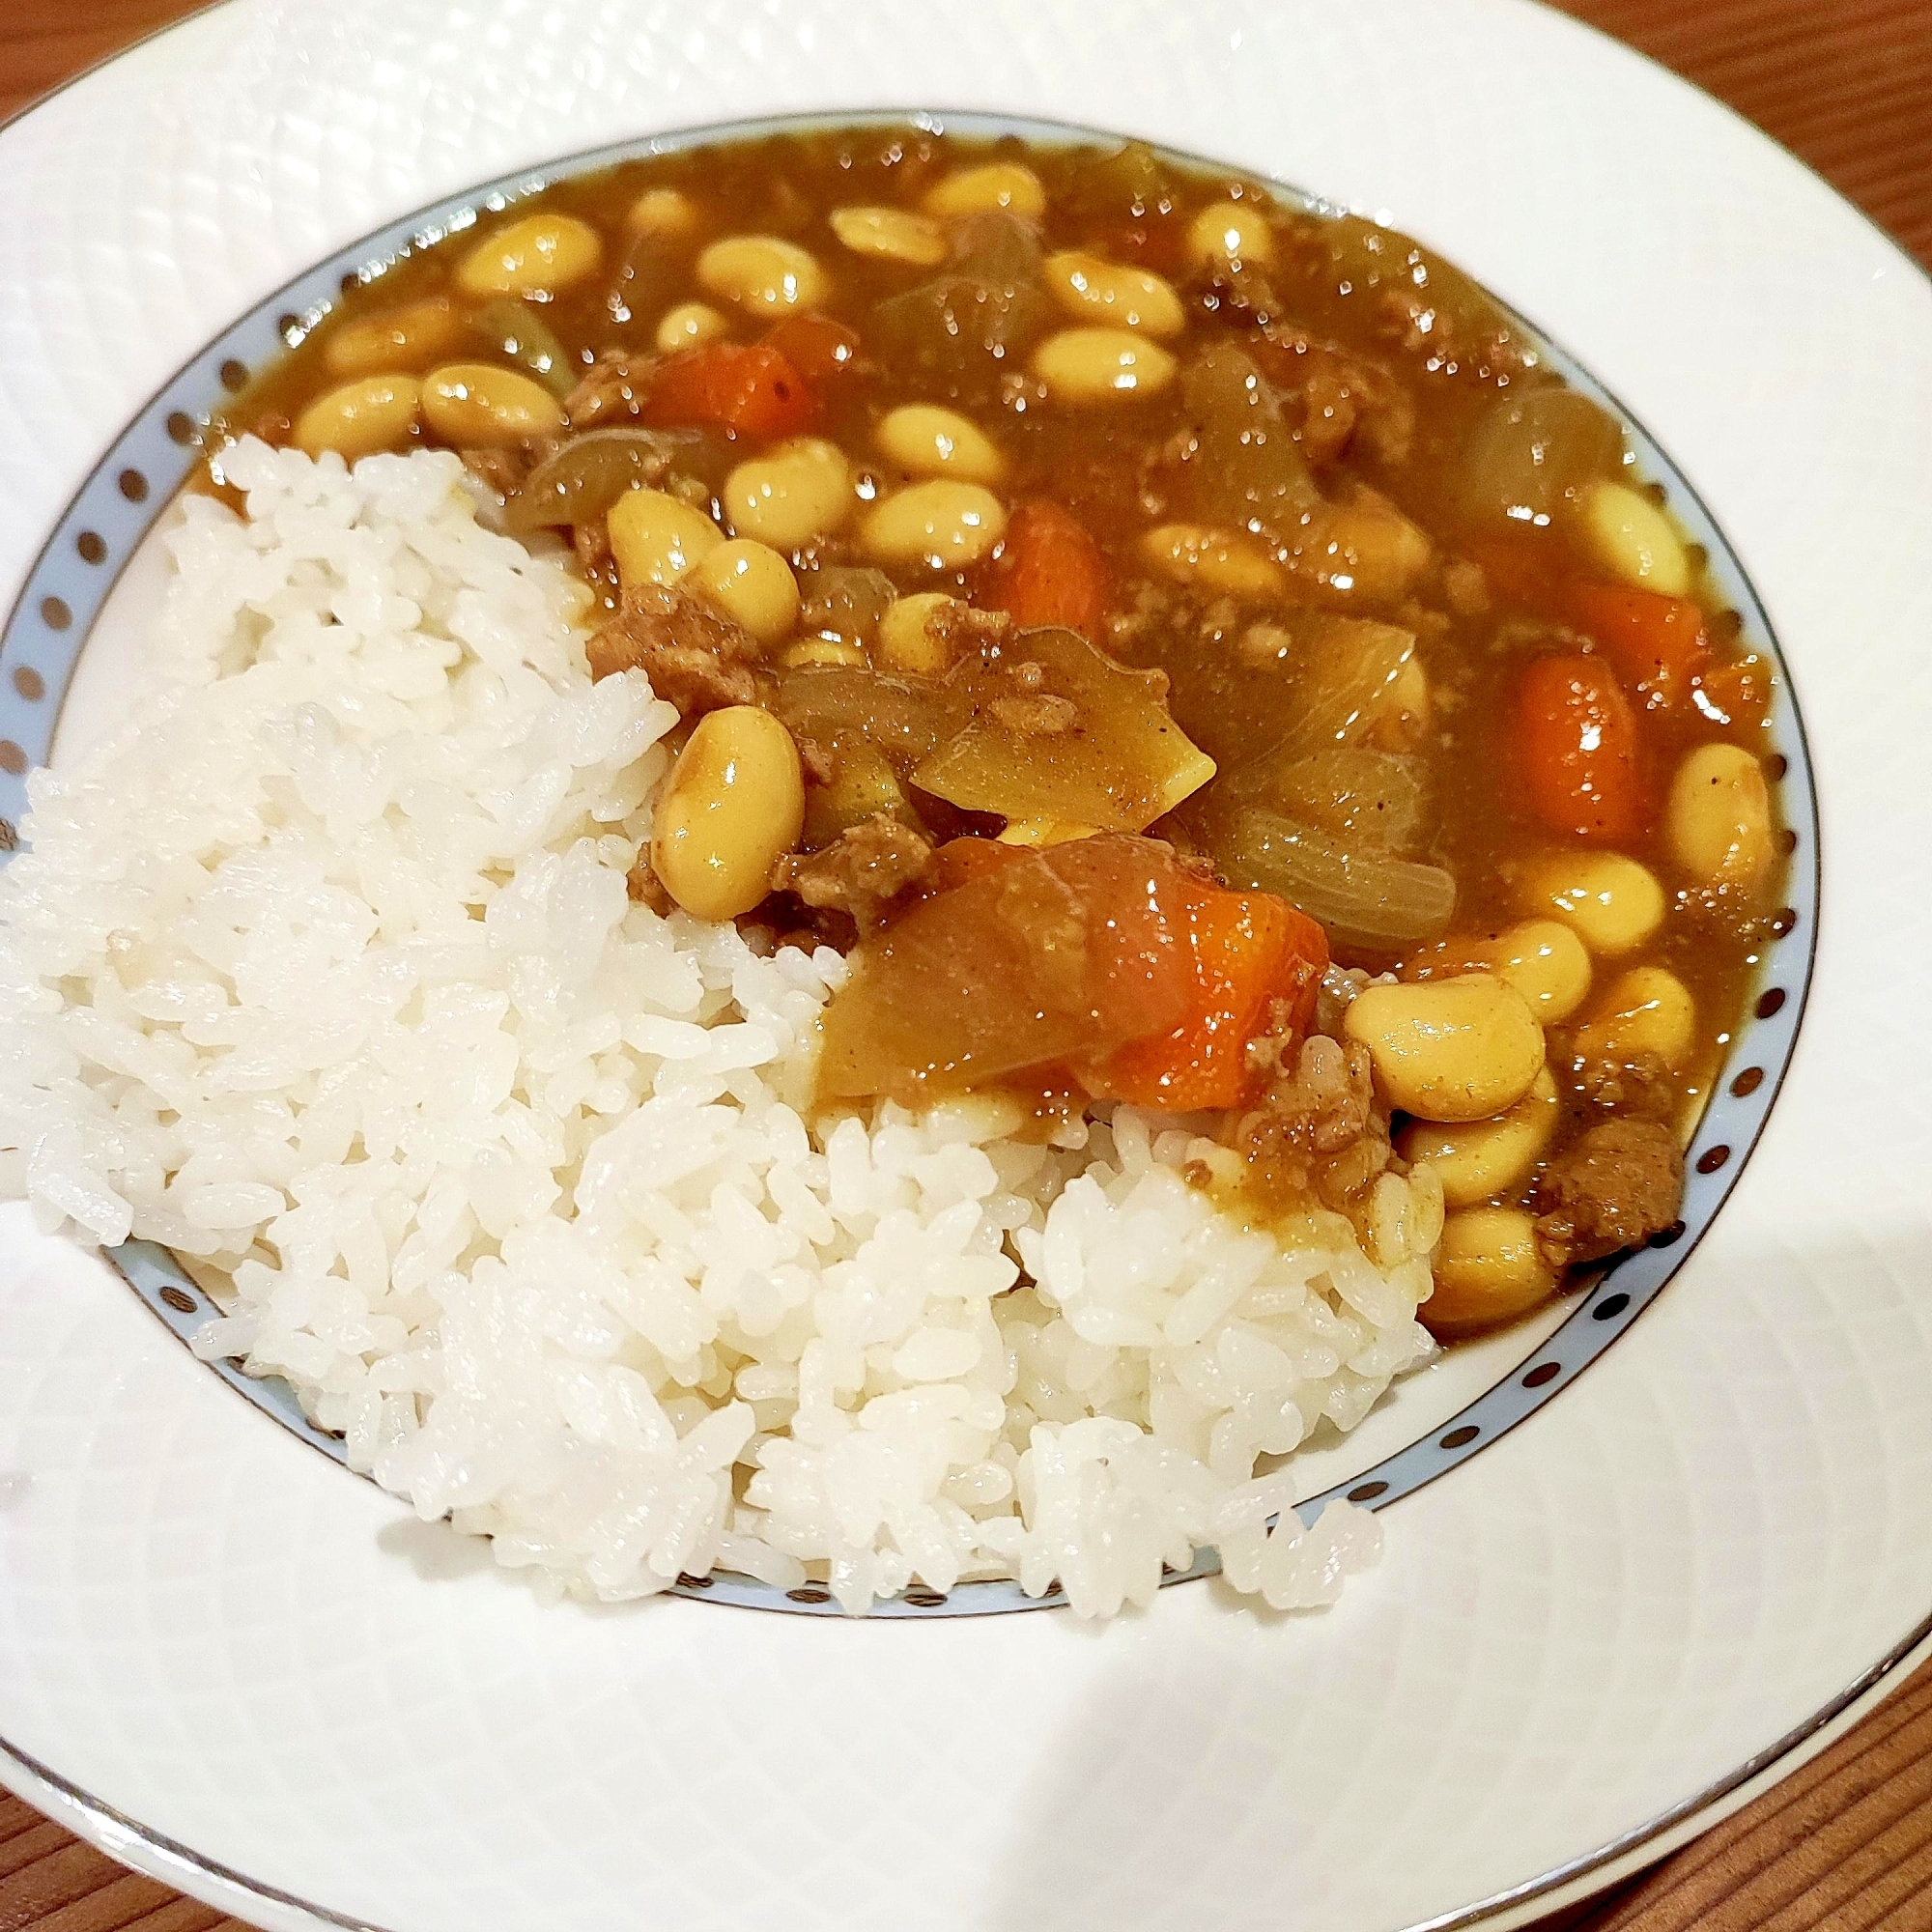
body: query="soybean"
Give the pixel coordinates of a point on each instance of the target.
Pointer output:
(688, 325)
(905, 642)
(944, 525)
(656, 539)
(1231, 562)
(360, 418)
(1718, 817)
(733, 806)
(925, 440)
(415, 332)
(662, 215)
(762, 272)
(539, 256)
(1487, 1269)
(1611, 902)
(1647, 1010)
(479, 404)
(895, 233)
(997, 185)
(1090, 365)
(790, 493)
(1449, 1049)
(1632, 538)
(1231, 230)
(752, 585)
(1095, 290)
(1477, 1160)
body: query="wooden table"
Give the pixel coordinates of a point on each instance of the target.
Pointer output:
(1845, 1844)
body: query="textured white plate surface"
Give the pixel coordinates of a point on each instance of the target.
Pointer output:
(1613, 1613)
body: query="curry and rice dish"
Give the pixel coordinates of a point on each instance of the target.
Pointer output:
(1024, 820)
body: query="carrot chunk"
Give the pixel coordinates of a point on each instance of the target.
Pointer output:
(754, 392)
(1250, 950)
(1049, 572)
(1656, 644)
(1576, 745)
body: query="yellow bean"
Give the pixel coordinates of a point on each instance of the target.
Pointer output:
(1718, 817)
(1476, 1161)
(822, 651)
(373, 413)
(996, 184)
(688, 325)
(790, 493)
(1231, 230)
(1231, 562)
(662, 213)
(396, 338)
(926, 440)
(944, 525)
(1090, 287)
(733, 806)
(1629, 536)
(752, 585)
(656, 539)
(1487, 1269)
(1542, 959)
(541, 256)
(1090, 365)
(762, 272)
(896, 233)
(905, 644)
(1449, 1049)
(481, 404)
(1612, 903)
(1646, 1010)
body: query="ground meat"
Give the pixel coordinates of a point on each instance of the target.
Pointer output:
(644, 884)
(861, 872)
(1318, 1130)
(611, 392)
(1638, 1084)
(502, 470)
(1347, 400)
(697, 658)
(965, 631)
(1622, 1182)
(1466, 587)
(1036, 713)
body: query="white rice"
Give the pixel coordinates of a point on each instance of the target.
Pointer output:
(322, 974)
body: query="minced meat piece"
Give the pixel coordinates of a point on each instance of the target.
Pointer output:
(1622, 1182)
(693, 655)
(861, 872)
(644, 886)
(611, 390)
(1638, 1086)
(1318, 1130)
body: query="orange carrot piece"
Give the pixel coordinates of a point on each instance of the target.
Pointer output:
(1050, 572)
(1250, 949)
(1656, 644)
(754, 392)
(1577, 747)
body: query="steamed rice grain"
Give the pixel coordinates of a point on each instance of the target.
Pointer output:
(322, 974)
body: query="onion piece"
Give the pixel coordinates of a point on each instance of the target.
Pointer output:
(577, 482)
(1368, 900)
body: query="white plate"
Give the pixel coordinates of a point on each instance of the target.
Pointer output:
(289, 1691)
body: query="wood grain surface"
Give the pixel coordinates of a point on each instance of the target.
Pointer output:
(1845, 1845)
